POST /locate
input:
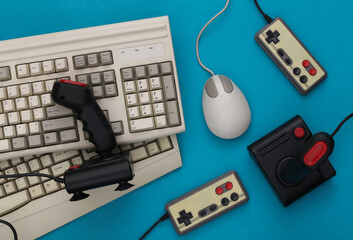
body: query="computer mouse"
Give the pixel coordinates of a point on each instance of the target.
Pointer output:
(226, 110)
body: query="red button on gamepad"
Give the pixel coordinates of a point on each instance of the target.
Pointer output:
(306, 63)
(219, 190)
(229, 185)
(299, 132)
(312, 71)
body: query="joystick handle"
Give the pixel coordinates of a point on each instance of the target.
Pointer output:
(316, 151)
(78, 97)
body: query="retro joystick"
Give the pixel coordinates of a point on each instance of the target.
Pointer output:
(293, 160)
(107, 168)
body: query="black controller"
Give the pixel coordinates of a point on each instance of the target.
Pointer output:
(293, 160)
(107, 168)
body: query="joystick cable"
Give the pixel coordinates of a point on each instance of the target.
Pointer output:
(341, 124)
(268, 18)
(59, 180)
(199, 36)
(164, 217)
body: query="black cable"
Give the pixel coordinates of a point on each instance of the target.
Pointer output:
(12, 228)
(164, 217)
(268, 18)
(341, 123)
(59, 180)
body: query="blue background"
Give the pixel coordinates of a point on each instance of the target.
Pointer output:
(229, 48)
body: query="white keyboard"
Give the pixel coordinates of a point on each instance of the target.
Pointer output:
(30, 202)
(130, 68)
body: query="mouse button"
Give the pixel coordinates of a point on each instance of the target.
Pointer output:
(211, 88)
(227, 84)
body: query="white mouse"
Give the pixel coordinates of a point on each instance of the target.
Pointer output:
(225, 108)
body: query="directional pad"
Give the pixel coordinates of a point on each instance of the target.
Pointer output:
(185, 218)
(272, 36)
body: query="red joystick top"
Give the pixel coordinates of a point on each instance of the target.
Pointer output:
(299, 132)
(74, 167)
(72, 82)
(315, 153)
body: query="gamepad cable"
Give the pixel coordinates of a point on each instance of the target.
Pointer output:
(268, 18)
(11, 227)
(341, 124)
(199, 36)
(164, 217)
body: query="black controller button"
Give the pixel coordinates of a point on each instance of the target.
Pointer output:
(185, 218)
(303, 79)
(288, 61)
(225, 201)
(234, 197)
(281, 52)
(272, 36)
(203, 213)
(213, 207)
(297, 71)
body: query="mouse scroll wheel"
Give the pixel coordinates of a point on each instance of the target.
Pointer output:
(211, 89)
(226, 83)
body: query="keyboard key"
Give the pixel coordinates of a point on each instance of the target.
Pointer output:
(129, 87)
(98, 92)
(9, 187)
(146, 110)
(13, 202)
(3, 120)
(58, 111)
(138, 154)
(169, 87)
(2, 191)
(93, 60)
(142, 124)
(21, 104)
(45, 171)
(60, 168)
(46, 100)
(144, 97)
(131, 99)
(153, 149)
(26, 90)
(173, 113)
(80, 62)
(61, 65)
(142, 85)
(21, 183)
(164, 144)
(106, 58)
(83, 79)
(9, 131)
(19, 143)
(35, 141)
(5, 73)
(153, 70)
(155, 83)
(16, 161)
(26, 116)
(158, 108)
(33, 181)
(51, 138)
(13, 91)
(48, 67)
(157, 96)
(33, 101)
(4, 164)
(96, 78)
(51, 186)
(61, 156)
(46, 161)
(58, 124)
(49, 85)
(38, 114)
(77, 161)
(138, 144)
(22, 129)
(127, 74)
(38, 87)
(134, 113)
(140, 72)
(3, 94)
(35, 68)
(161, 121)
(68, 136)
(8, 105)
(111, 90)
(109, 76)
(22, 71)
(117, 127)
(166, 68)
(13, 118)
(34, 165)
(22, 168)
(36, 191)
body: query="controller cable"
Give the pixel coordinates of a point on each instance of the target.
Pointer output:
(164, 217)
(268, 18)
(199, 36)
(59, 180)
(341, 124)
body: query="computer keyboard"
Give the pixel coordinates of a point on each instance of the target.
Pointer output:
(130, 68)
(26, 201)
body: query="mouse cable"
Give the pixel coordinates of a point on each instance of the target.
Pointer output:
(59, 180)
(198, 39)
(268, 18)
(164, 217)
(341, 123)
(11, 227)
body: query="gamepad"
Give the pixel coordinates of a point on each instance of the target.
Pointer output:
(293, 160)
(206, 202)
(291, 56)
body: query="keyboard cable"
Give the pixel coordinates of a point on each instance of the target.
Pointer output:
(57, 179)
(199, 36)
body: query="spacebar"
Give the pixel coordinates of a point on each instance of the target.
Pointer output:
(12, 202)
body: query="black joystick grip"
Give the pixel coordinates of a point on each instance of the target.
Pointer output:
(78, 97)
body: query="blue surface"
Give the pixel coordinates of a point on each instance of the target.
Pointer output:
(229, 48)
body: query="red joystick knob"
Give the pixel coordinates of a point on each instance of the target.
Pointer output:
(72, 82)
(299, 132)
(74, 167)
(315, 153)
